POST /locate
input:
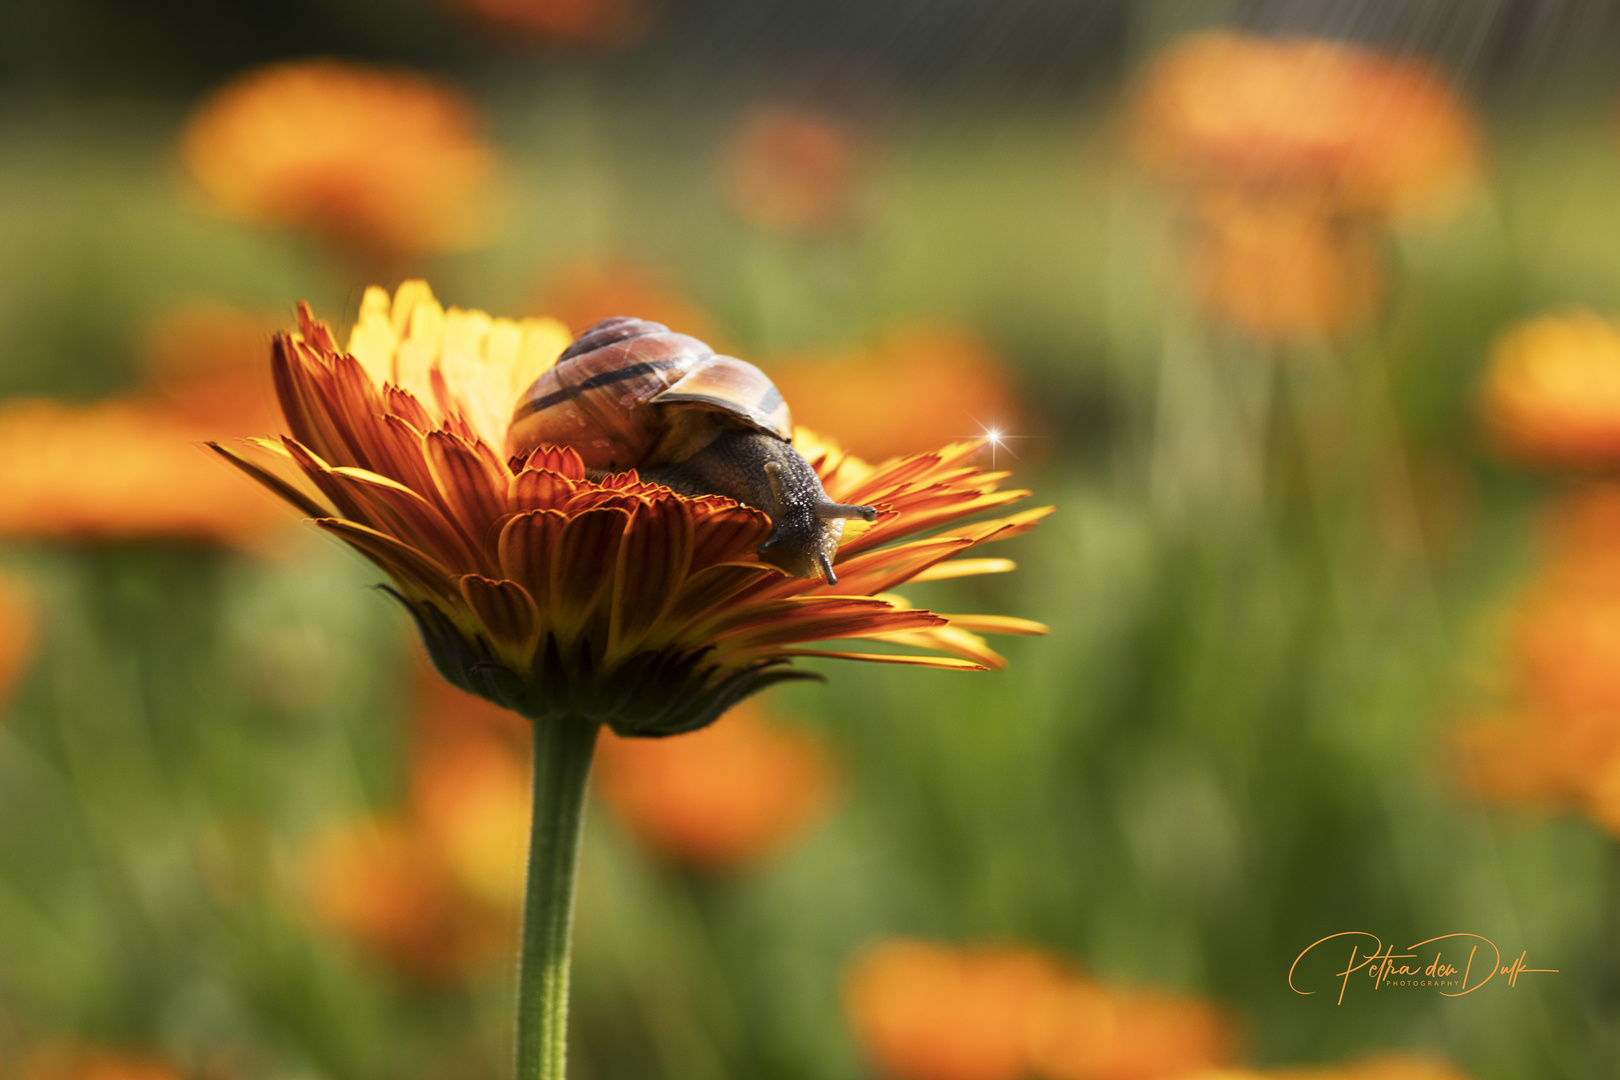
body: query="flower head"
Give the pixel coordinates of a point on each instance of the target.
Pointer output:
(71, 1062)
(790, 170)
(1088, 1032)
(19, 633)
(1364, 132)
(204, 361)
(1556, 741)
(386, 884)
(719, 797)
(580, 293)
(611, 599)
(932, 1012)
(384, 162)
(433, 889)
(922, 384)
(1551, 394)
(118, 470)
(1279, 269)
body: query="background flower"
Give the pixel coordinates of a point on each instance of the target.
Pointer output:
(926, 384)
(1551, 395)
(791, 170)
(725, 796)
(383, 162)
(119, 470)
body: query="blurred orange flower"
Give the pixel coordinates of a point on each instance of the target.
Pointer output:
(1365, 133)
(932, 1012)
(1529, 758)
(581, 22)
(382, 162)
(204, 360)
(1551, 394)
(119, 470)
(1084, 1032)
(582, 293)
(470, 781)
(728, 794)
(1294, 155)
(1375, 1067)
(919, 385)
(1279, 268)
(1556, 743)
(63, 1062)
(19, 632)
(1400, 1067)
(434, 890)
(790, 170)
(388, 885)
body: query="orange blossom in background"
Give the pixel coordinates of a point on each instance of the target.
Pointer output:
(1291, 156)
(720, 797)
(379, 162)
(925, 1011)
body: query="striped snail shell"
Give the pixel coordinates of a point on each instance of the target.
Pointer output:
(630, 394)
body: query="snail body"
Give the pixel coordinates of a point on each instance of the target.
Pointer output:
(631, 394)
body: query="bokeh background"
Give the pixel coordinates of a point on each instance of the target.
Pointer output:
(1298, 311)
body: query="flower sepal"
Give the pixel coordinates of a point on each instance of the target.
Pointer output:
(652, 693)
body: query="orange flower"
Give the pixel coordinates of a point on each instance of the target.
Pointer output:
(1551, 394)
(19, 633)
(1567, 645)
(118, 470)
(1529, 758)
(725, 795)
(1583, 530)
(556, 595)
(582, 294)
(387, 884)
(61, 1062)
(790, 170)
(921, 385)
(1278, 269)
(204, 361)
(470, 789)
(1557, 743)
(931, 1012)
(1400, 1067)
(434, 890)
(584, 22)
(1376, 1067)
(1363, 132)
(1085, 1032)
(385, 162)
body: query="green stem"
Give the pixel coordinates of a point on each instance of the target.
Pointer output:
(562, 763)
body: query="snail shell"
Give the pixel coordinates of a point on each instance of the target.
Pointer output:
(630, 394)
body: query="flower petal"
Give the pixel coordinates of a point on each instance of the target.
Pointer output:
(654, 557)
(270, 480)
(507, 610)
(965, 568)
(944, 662)
(406, 565)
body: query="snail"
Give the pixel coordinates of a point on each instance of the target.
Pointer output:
(631, 394)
